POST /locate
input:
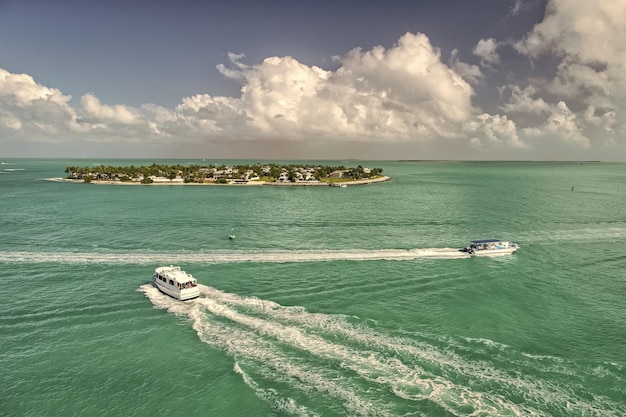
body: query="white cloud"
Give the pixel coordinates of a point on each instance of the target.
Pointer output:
(281, 96)
(392, 96)
(31, 109)
(489, 130)
(591, 31)
(604, 121)
(98, 112)
(35, 113)
(588, 38)
(557, 123)
(22, 90)
(584, 83)
(235, 60)
(562, 124)
(525, 100)
(404, 93)
(470, 73)
(397, 94)
(486, 50)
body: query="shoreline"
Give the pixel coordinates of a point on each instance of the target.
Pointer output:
(247, 184)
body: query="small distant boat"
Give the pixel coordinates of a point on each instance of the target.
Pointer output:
(490, 247)
(175, 282)
(231, 236)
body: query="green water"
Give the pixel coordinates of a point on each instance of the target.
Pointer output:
(330, 301)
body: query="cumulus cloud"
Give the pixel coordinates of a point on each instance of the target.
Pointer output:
(22, 90)
(34, 112)
(403, 94)
(396, 94)
(98, 112)
(589, 31)
(578, 103)
(562, 123)
(32, 109)
(588, 39)
(489, 130)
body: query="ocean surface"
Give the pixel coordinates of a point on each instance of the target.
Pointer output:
(330, 301)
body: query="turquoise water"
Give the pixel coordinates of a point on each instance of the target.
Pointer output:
(330, 301)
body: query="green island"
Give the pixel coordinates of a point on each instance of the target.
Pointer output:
(255, 174)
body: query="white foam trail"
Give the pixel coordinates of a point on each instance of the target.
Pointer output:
(265, 356)
(271, 396)
(229, 256)
(359, 367)
(407, 380)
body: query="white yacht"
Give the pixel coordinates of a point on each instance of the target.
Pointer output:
(175, 282)
(490, 247)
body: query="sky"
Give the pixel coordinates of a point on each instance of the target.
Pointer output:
(301, 79)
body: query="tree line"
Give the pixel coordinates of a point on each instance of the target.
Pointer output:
(200, 173)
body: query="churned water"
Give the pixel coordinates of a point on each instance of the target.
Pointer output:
(330, 301)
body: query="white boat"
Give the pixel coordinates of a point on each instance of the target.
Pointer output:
(173, 281)
(490, 247)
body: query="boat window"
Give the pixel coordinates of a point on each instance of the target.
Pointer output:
(171, 282)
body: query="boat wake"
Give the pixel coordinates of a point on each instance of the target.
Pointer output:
(229, 256)
(308, 364)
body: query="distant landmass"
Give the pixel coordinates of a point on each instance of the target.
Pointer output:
(255, 174)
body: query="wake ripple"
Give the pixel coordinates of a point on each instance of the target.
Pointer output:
(229, 256)
(309, 364)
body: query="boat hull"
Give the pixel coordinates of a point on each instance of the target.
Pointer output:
(490, 247)
(494, 252)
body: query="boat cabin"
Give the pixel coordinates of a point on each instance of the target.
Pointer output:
(176, 282)
(487, 244)
(489, 247)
